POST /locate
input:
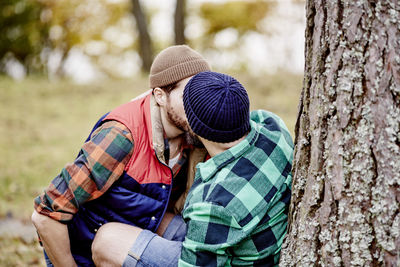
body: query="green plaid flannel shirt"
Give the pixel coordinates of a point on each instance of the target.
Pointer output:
(237, 208)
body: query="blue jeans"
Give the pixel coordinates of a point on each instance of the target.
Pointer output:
(152, 250)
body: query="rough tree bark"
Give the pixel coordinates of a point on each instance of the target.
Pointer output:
(145, 44)
(345, 202)
(179, 22)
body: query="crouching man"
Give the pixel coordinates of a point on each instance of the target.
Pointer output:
(132, 169)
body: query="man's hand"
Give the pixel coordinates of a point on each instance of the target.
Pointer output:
(168, 216)
(55, 239)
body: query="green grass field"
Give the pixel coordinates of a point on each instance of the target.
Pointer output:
(43, 124)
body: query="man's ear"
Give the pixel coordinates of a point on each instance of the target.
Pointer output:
(160, 96)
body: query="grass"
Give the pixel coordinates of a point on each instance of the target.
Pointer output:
(277, 93)
(43, 124)
(16, 252)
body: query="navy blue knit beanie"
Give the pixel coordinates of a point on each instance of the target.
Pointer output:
(217, 107)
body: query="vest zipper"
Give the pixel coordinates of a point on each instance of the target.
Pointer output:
(169, 193)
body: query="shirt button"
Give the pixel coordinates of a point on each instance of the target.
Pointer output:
(163, 187)
(95, 230)
(153, 218)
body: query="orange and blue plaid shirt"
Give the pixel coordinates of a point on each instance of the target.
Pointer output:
(100, 162)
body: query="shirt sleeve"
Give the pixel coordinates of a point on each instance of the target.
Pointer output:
(211, 231)
(100, 162)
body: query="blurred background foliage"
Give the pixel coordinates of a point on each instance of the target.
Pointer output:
(64, 63)
(241, 15)
(112, 36)
(23, 34)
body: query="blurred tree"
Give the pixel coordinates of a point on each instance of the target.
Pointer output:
(97, 27)
(33, 30)
(42, 33)
(145, 43)
(179, 22)
(345, 207)
(227, 26)
(23, 31)
(241, 15)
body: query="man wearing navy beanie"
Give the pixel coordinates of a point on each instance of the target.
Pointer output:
(236, 210)
(217, 107)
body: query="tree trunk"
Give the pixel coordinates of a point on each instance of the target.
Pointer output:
(345, 202)
(179, 22)
(145, 44)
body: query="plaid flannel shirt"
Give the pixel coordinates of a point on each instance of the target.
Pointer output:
(237, 207)
(101, 162)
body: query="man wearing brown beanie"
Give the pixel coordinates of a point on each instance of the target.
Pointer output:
(132, 169)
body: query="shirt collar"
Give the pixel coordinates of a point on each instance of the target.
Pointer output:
(206, 170)
(157, 130)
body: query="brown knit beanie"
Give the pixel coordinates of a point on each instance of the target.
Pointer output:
(176, 63)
